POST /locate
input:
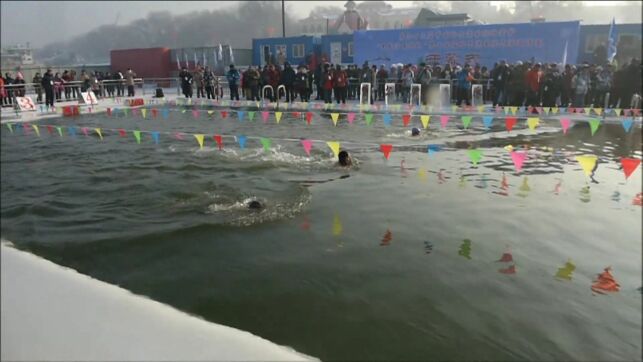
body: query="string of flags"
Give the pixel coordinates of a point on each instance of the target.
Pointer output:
(519, 157)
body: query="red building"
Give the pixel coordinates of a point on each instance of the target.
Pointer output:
(146, 63)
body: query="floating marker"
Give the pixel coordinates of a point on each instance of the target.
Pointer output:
(122, 132)
(566, 271)
(334, 146)
(605, 282)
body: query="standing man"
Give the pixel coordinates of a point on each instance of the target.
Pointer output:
(37, 79)
(186, 82)
(424, 78)
(534, 83)
(252, 82)
(340, 82)
(198, 82)
(208, 80)
(301, 83)
(327, 83)
(552, 83)
(48, 85)
(500, 76)
(382, 75)
(130, 82)
(233, 77)
(287, 79)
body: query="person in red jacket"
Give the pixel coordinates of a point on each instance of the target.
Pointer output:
(340, 82)
(534, 82)
(327, 83)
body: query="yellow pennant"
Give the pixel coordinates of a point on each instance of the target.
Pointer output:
(514, 110)
(278, 116)
(99, 133)
(337, 226)
(507, 110)
(422, 174)
(509, 148)
(617, 111)
(199, 138)
(598, 111)
(480, 109)
(305, 105)
(334, 146)
(454, 108)
(210, 113)
(143, 112)
(425, 120)
(532, 122)
(35, 128)
(587, 162)
(189, 101)
(587, 111)
(335, 117)
(554, 110)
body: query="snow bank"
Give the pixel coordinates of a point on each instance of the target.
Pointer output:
(51, 313)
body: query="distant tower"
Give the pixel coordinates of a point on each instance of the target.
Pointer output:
(351, 20)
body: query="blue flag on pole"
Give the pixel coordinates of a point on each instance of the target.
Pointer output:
(612, 40)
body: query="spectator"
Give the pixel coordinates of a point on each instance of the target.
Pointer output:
(37, 79)
(75, 90)
(19, 90)
(130, 82)
(382, 76)
(233, 82)
(287, 79)
(301, 83)
(534, 82)
(209, 80)
(580, 83)
(340, 82)
(59, 86)
(84, 77)
(3, 91)
(118, 77)
(8, 81)
(465, 77)
(198, 82)
(408, 78)
(552, 84)
(252, 82)
(604, 78)
(424, 78)
(327, 85)
(109, 86)
(500, 76)
(48, 85)
(567, 90)
(186, 82)
(95, 85)
(367, 76)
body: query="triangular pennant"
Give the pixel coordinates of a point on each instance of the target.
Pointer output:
(144, 112)
(598, 111)
(627, 124)
(425, 120)
(443, 121)
(196, 113)
(50, 129)
(334, 117)
(466, 121)
(518, 157)
(617, 112)
(166, 113)
(565, 122)
(9, 125)
(242, 141)
(156, 136)
(100, 135)
(240, 115)
(334, 146)
(137, 135)
(480, 109)
(122, 132)
(219, 140)
(475, 155)
(264, 116)
(368, 117)
(594, 124)
(532, 122)
(587, 162)
(199, 139)
(510, 122)
(60, 131)
(309, 117)
(155, 112)
(629, 166)
(454, 109)
(266, 142)
(387, 119)
(406, 119)
(514, 110)
(211, 112)
(35, 128)
(587, 110)
(85, 131)
(278, 116)
(134, 112)
(307, 144)
(350, 117)
(486, 121)
(296, 114)
(386, 150)
(554, 110)
(108, 110)
(224, 114)
(251, 115)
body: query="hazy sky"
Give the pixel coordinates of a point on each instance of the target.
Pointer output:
(43, 22)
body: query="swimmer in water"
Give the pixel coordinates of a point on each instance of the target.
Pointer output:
(344, 159)
(415, 131)
(255, 205)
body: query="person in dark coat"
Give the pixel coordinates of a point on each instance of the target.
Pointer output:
(552, 84)
(186, 82)
(301, 83)
(287, 79)
(233, 77)
(500, 76)
(48, 85)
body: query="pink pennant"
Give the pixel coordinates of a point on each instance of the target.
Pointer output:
(85, 131)
(122, 132)
(444, 120)
(351, 117)
(627, 112)
(309, 117)
(195, 113)
(27, 128)
(264, 116)
(519, 158)
(134, 111)
(635, 112)
(178, 136)
(308, 144)
(506, 258)
(564, 122)
(386, 150)
(498, 109)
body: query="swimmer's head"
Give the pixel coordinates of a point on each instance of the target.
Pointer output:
(415, 131)
(344, 158)
(255, 205)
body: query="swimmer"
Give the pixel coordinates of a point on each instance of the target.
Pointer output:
(415, 132)
(344, 159)
(255, 205)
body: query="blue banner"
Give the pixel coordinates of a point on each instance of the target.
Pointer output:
(481, 44)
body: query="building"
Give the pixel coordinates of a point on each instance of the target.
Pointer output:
(592, 46)
(337, 49)
(427, 18)
(17, 55)
(294, 50)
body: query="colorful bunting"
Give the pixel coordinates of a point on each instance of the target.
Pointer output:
(35, 128)
(199, 139)
(406, 119)
(565, 122)
(425, 120)
(9, 125)
(518, 157)
(155, 136)
(617, 111)
(627, 124)
(350, 117)
(264, 116)
(466, 120)
(594, 124)
(533, 122)
(510, 122)
(251, 115)
(240, 115)
(475, 155)
(587, 162)
(368, 117)
(137, 135)
(334, 146)
(334, 117)
(100, 135)
(309, 117)
(60, 131)
(242, 141)
(278, 116)
(387, 119)
(486, 121)
(85, 131)
(443, 121)
(266, 143)
(307, 144)
(219, 140)
(144, 112)
(629, 166)
(386, 150)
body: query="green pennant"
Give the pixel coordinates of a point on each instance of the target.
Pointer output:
(10, 127)
(475, 155)
(125, 110)
(369, 118)
(60, 131)
(251, 115)
(466, 121)
(137, 135)
(266, 143)
(594, 124)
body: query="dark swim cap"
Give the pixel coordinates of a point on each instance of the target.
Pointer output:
(415, 131)
(255, 205)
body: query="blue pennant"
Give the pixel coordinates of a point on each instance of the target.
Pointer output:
(487, 120)
(241, 114)
(627, 124)
(242, 141)
(155, 136)
(387, 119)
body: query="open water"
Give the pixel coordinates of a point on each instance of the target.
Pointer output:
(390, 260)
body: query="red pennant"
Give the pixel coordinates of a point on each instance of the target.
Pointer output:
(122, 132)
(506, 258)
(629, 165)
(386, 150)
(605, 282)
(635, 112)
(224, 114)
(309, 117)
(638, 199)
(219, 140)
(109, 111)
(296, 114)
(406, 119)
(155, 112)
(50, 129)
(510, 122)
